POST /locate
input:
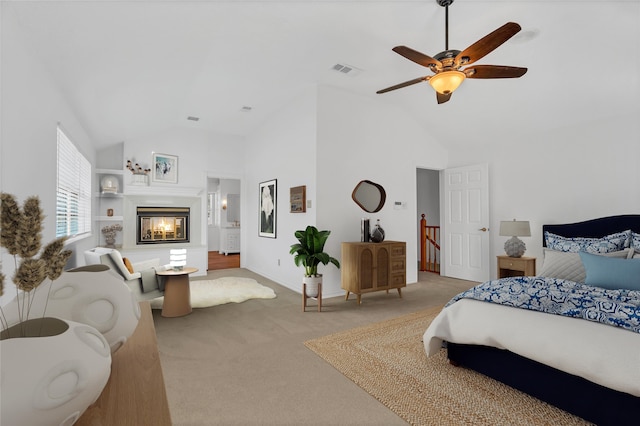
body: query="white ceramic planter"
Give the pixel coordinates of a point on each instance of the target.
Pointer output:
(312, 284)
(52, 380)
(93, 295)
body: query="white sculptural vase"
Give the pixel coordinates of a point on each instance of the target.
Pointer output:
(514, 247)
(93, 295)
(53, 378)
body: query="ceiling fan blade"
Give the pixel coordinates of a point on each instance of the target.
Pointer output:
(494, 71)
(487, 44)
(405, 84)
(417, 57)
(442, 98)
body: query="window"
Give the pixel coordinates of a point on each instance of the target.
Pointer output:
(73, 198)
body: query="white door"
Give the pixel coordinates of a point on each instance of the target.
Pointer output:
(465, 233)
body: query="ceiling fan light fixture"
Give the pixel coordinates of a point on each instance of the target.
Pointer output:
(447, 81)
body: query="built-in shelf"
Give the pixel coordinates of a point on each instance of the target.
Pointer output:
(109, 218)
(108, 202)
(109, 171)
(109, 195)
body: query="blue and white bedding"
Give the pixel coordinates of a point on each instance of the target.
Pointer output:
(586, 331)
(618, 308)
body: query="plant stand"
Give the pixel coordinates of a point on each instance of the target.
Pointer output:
(305, 297)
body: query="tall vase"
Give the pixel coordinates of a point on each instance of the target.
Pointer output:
(51, 379)
(93, 295)
(377, 235)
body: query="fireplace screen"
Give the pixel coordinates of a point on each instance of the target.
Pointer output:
(163, 225)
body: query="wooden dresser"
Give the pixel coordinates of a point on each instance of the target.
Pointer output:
(367, 267)
(135, 393)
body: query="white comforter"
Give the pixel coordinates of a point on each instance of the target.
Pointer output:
(603, 354)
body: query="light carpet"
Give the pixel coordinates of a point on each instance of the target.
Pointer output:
(388, 360)
(207, 293)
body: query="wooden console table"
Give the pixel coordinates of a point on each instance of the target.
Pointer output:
(370, 266)
(135, 393)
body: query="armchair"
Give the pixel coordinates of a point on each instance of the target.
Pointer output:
(141, 279)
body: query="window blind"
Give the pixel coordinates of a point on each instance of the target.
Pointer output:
(73, 198)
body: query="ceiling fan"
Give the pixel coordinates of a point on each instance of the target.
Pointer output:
(447, 64)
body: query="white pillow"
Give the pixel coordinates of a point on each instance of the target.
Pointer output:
(568, 266)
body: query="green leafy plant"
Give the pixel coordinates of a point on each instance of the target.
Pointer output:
(309, 251)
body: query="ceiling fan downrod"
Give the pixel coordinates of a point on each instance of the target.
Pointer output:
(445, 4)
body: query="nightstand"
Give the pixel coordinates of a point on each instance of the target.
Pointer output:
(516, 266)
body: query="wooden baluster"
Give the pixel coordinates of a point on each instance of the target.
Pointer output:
(423, 243)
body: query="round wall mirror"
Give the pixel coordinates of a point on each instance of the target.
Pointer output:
(369, 196)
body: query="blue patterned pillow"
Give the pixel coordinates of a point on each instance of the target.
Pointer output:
(606, 244)
(635, 241)
(611, 273)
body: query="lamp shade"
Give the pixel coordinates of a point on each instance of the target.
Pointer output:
(447, 81)
(515, 228)
(178, 258)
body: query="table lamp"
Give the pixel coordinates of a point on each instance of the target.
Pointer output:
(177, 259)
(514, 246)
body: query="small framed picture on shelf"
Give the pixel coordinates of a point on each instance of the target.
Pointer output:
(298, 199)
(164, 168)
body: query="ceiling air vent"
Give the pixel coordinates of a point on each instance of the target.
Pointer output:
(192, 118)
(346, 69)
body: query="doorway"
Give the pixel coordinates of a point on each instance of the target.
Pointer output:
(457, 200)
(428, 204)
(223, 222)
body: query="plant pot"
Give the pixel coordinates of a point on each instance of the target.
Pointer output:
(312, 284)
(51, 379)
(93, 295)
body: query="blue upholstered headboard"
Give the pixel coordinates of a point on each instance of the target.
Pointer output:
(595, 228)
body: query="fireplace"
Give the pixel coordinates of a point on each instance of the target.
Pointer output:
(161, 225)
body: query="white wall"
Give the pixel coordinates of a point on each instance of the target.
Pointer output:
(31, 107)
(284, 148)
(565, 176)
(319, 142)
(229, 186)
(360, 138)
(198, 152)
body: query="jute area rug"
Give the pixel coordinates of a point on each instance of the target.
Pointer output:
(388, 360)
(207, 293)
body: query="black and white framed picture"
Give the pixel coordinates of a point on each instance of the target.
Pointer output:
(165, 168)
(268, 208)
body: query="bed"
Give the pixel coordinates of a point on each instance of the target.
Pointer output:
(567, 352)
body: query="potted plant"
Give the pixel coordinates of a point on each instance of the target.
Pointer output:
(309, 252)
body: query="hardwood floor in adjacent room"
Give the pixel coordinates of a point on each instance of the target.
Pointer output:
(218, 260)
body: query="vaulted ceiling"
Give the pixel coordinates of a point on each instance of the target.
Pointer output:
(132, 68)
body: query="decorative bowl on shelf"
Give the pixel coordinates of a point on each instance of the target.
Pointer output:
(109, 184)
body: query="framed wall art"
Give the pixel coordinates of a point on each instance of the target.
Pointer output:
(298, 199)
(268, 208)
(164, 168)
